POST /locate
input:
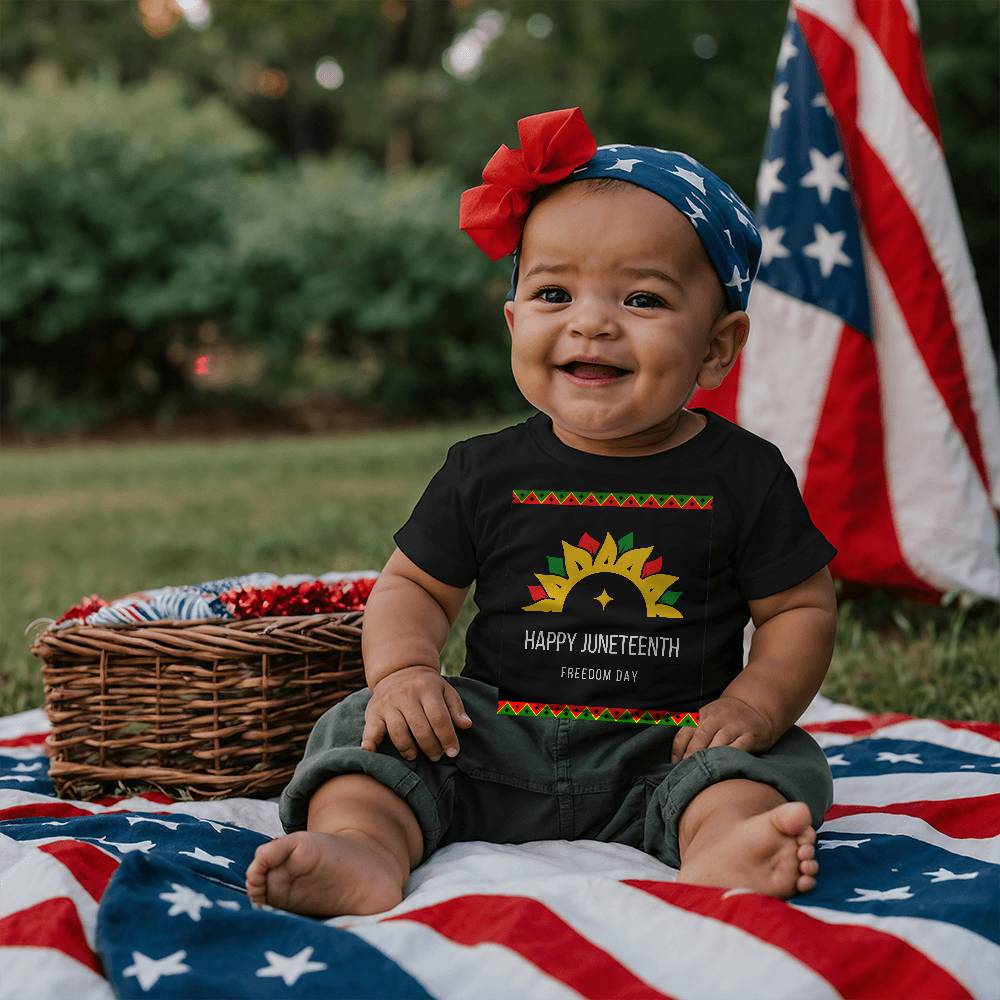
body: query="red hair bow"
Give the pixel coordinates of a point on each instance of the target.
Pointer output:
(553, 144)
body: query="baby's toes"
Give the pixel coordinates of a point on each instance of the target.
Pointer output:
(807, 836)
(266, 857)
(256, 881)
(805, 883)
(808, 867)
(806, 852)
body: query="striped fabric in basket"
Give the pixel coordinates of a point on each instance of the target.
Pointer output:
(205, 600)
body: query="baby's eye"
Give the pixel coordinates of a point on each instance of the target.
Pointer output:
(654, 300)
(547, 291)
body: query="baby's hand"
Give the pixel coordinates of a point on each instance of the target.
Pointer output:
(725, 722)
(414, 702)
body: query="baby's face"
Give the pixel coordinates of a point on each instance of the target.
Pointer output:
(575, 297)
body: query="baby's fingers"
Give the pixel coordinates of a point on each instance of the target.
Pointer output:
(725, 738)
(455, 706)
(374, 732)
(698, 740)
(682, 738)
(403, 732)
(746, 742)
(440, 720)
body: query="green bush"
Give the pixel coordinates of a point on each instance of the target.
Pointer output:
(129, 219)
(116, 242)
(381, 270)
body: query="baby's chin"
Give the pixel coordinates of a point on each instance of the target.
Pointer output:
(610, 420)
(608, 423)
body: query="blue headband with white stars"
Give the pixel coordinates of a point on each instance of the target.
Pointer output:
(722, 221)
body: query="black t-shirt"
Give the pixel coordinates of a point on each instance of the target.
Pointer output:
(612, 588)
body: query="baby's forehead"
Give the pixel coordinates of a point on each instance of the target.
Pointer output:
(634, 230)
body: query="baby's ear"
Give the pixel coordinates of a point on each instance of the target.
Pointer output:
(508, 313)
(727, 341)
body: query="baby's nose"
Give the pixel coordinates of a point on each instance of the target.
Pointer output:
(593, 317)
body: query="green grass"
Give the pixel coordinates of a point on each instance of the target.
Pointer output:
(113, 519)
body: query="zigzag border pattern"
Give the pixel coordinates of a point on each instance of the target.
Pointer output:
(569, 498)
(596, 713)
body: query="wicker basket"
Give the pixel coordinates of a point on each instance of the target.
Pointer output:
(202, 709)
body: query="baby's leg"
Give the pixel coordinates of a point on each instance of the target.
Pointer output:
(745, 833)
(360, 843)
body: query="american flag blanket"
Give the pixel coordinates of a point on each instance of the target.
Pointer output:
(143, 896)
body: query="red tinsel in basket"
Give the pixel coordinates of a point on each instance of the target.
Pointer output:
(87, 607)
(313, 598)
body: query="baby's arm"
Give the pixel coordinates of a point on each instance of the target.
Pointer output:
(406, 623)
(789, 656)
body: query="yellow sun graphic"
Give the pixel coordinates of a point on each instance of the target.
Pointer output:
(620, 557)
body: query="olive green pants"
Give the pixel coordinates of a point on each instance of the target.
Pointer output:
(517, 780)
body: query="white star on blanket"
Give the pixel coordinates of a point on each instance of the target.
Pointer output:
(148, 970)
(185, 900)
(290, 967)
(898, 758)
(212, 859)
(866, 895)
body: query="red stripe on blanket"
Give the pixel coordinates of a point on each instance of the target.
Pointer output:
(990, 729)
(54, 810)
(50, 810)
(539, 936)
(974, 818)
(859, 962)
(88, 864)
(110, 800)
(51, 924)
(858, 727)
(870, 723)
(23, 741)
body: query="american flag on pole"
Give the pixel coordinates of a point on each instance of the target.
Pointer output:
(143, 896)
(868, 361)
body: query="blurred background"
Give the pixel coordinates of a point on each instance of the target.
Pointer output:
(220, 215)
(239, 324)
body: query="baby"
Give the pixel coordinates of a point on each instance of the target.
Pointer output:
(619, 543)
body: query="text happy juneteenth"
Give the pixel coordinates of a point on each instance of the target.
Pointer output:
(598, 642)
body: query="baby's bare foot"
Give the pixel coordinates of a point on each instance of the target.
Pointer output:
(325, 874)
(771, 853)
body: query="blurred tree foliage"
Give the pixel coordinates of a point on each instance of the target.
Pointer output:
(115, 241)
(131, 218)
(631, 64)
(379, 269)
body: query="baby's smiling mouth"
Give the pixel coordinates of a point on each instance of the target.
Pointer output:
(586, 370)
